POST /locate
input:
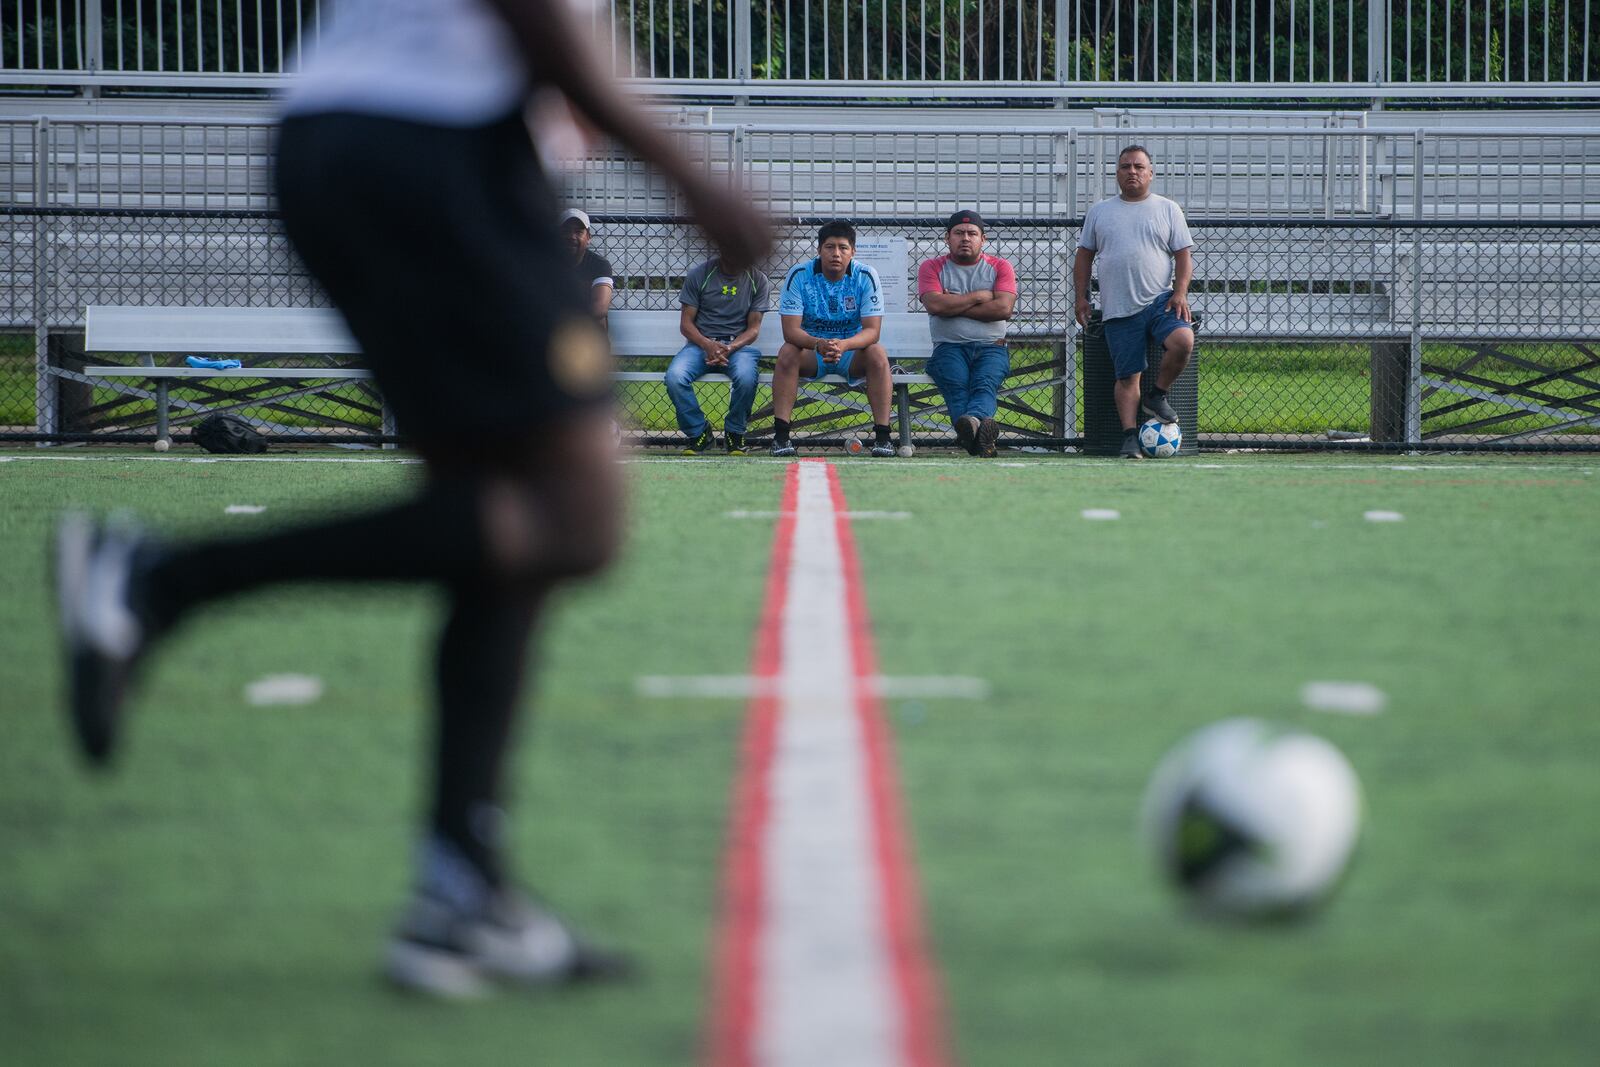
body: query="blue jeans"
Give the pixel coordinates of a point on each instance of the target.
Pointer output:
(969, 375)
(687, 367)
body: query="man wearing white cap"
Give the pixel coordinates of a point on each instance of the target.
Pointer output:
(593, 269)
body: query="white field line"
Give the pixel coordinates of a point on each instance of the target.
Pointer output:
(741, 514)
(1346, 698)
(747, 686)
(817, 968)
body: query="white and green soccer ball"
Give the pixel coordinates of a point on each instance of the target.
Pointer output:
(1158, 440)
(1253, 820)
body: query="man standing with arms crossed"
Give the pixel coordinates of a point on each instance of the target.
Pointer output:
(409, 185)
(969, 297)
(1143, 243)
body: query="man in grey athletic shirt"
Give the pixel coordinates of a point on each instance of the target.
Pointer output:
(409, 185)
(1142, 243)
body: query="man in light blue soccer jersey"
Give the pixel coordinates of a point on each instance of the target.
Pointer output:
(832, 310)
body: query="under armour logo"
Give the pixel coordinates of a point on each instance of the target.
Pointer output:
(730, 290)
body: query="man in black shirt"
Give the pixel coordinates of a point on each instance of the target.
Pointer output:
(593, 268)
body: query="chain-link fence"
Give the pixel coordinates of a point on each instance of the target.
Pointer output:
(1315, 333)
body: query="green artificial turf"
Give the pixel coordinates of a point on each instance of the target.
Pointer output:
(221, 897)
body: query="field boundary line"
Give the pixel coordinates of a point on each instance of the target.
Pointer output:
(821, 954)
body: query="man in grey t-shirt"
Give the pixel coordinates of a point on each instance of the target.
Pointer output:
(1142, 243)
(721, 317)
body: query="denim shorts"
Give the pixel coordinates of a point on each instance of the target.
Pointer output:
(841, 367)
(1128, 336)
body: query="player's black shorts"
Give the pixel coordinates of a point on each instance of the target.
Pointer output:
(439, 246)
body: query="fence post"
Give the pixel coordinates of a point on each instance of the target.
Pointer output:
(1414, 374)
(741, 40)
(44, 393)
(1067, 396)
(1063, 46)
(1378, 20)
(93, 37)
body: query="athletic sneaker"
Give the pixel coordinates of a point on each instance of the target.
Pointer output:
(1155, 405)
(988, 434)
(967, 427)
(733, 443)
(1130, 447)
(698, 445)
(100, 624)
(445, 951)
(782, 446)
(882, 448)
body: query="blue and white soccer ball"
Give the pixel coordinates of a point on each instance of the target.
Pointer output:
(1158, 440)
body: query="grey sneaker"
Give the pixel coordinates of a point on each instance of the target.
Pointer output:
(782, 446)
(441, 950)
(1155, 405)
(967, 427)
(988, 434)
(882, 449)
(1130, 447)
(101, 625)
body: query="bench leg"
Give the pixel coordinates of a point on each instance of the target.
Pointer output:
(902, 403)
(161, 409)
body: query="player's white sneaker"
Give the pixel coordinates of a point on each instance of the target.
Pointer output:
(445, 951)
(100, 625)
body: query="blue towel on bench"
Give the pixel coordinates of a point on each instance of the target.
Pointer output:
(201, 363)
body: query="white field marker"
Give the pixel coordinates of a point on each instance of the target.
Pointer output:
(1383, 516)
(851, 515)
(283, 689)
(1344, 698)
(746, 686)
(820, 960)
(244, 509)
(1101, 514)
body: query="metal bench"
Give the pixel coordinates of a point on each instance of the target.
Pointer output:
(321, 333)
(212, 331)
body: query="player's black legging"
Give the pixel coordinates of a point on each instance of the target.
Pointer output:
(497, 543)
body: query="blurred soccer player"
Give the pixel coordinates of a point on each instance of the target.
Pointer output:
(409, 185)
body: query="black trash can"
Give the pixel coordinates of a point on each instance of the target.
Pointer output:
(1102, 430)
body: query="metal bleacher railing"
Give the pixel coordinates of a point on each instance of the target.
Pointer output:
(1407, 288)
(1032, 49)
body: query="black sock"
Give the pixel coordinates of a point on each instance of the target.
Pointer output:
(482, 659)
(780, 429)
(880, 434)
(436, 535)
(1129, 432)
(1158, 392)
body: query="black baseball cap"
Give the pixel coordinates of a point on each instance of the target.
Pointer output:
(965, 216)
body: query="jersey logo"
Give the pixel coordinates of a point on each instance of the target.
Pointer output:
(730, 290)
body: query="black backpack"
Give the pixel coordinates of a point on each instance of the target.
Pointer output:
(225, 433)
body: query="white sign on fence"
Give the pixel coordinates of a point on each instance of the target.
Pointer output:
(888, 256)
